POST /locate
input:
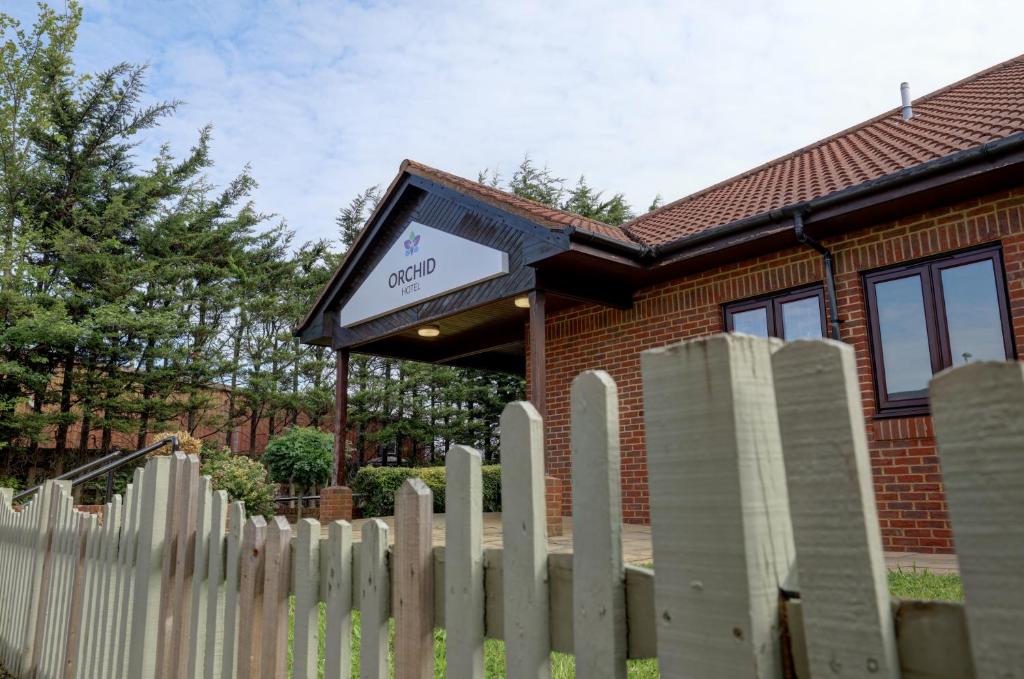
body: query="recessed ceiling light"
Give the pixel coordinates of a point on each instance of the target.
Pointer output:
(428, 331)
(523, 302)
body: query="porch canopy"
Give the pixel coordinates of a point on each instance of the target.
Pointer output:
(449, 271)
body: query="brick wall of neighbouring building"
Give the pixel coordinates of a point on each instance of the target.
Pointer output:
(908, 481)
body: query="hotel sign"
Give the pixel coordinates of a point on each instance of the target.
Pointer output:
(422, 263)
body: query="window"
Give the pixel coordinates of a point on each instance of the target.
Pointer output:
(932, 315)
(797, 314)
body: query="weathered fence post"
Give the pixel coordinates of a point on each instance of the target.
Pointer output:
(197, 636)
(86, 522)
(336, 577)
(235, 539)
(979, 425)
(306, 585)
(413, 581)
(275, 599)
(464, 564)
(374, 600)
(147, 590)
(250, 598)
(41, 560)
(598, 591)
(180, 609)
(116, 665)
(844, 596)
(215, 587)
(723, 544)
(524, 532)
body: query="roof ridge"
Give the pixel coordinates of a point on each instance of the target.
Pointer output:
(486, 189)
(821, 142)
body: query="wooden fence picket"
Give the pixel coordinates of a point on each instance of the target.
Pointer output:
(233, 543)
(336, 578)
(306, 585)
(62, 598)
(43, 565)
(99, 588)
(275, 598)
(979, 426)
(8, 558)
(169, 565)
(374, 600)
(200, 565)
(250, 598)
(116, 663)
(147, 591)
(719, 508)
(55, 588)
(86, 523)
(413, 581)
(599, 590)
(464, 564)
(524, 531)
(215, 594)
(848, 628)
(90, 583)
(180, 602)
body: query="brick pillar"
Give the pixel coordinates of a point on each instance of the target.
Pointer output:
(335, 503)
(553, 488)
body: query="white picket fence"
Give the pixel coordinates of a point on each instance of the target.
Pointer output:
(177, 583)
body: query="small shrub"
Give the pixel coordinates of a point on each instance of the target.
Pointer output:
(302, 456)
(10, 482)
(244, 479)
(187, 443)
(376, 487)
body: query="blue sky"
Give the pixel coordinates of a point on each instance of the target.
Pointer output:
(326, 98)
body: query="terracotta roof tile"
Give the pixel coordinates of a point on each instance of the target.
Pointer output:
(981, 108)
(531, 210)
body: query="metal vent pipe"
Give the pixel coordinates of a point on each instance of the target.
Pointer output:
(907, 110)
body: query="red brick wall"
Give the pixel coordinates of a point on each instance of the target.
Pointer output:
(908, 481)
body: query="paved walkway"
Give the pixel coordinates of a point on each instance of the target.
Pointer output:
(636, 544)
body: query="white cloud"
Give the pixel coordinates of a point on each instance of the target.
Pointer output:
(325, 98)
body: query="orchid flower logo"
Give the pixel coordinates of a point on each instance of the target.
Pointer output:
(412, 244)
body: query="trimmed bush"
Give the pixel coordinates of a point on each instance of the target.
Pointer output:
(376, 486)
(243, 478)
(187, 443)
(302, 455)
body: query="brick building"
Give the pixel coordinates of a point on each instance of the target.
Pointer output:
(903, 236)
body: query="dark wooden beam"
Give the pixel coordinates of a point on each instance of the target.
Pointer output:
(538, 378)
(582, 287)
(340, 416)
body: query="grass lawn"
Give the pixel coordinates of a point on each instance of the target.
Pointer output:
(925, 585)
(905, 584)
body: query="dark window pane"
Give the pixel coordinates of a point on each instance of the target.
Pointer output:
(972, 313)
(904, 335)
(751, 322)
(801, 319)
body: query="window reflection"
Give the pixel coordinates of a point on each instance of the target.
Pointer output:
(972, 313)
(801, 319)
(751, 322)
(904, 335)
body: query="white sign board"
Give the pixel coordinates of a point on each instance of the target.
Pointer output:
(422, 263)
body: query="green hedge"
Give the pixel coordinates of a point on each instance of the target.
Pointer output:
(376, 486)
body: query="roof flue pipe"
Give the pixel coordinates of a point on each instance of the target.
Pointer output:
(906, 110)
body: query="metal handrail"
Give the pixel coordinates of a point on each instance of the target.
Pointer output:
(293, 498)
(113, 462)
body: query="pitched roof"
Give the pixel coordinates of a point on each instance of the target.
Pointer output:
(531, 210)
(983, 107)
